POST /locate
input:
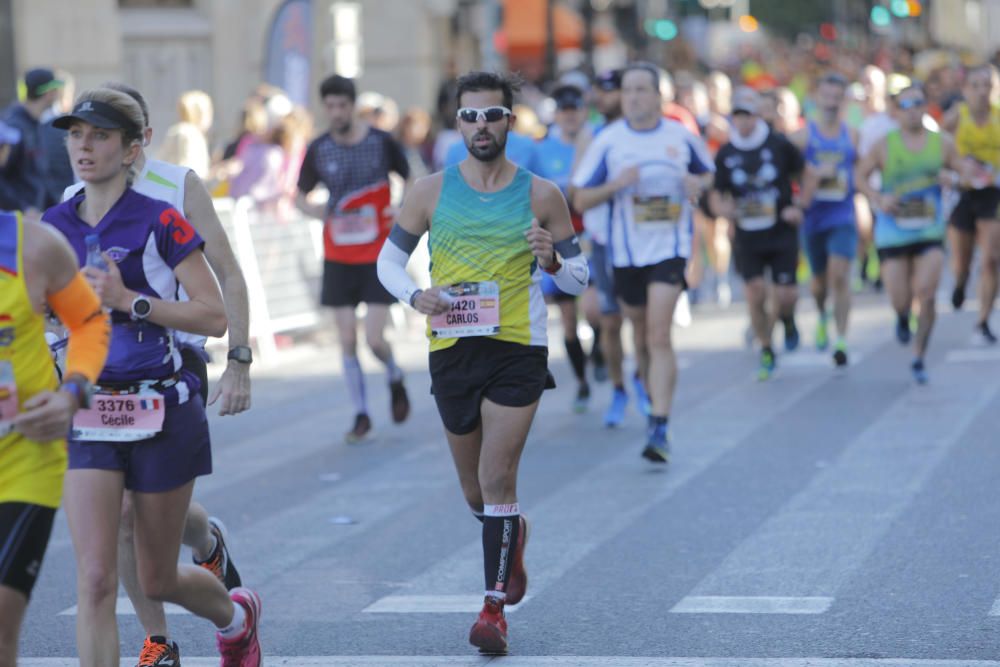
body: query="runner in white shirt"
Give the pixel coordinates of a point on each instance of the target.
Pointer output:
(650, 169)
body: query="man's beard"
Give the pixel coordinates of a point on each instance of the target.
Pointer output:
(486, 153)
(343, 128)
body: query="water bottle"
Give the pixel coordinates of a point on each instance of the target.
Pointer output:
(94, 258)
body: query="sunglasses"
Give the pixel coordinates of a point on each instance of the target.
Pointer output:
(911, 103)
(489, 114)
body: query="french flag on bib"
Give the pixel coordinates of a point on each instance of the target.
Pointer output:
(150, 403)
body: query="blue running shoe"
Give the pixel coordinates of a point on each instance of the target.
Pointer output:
(903, 334)
(657, 448)
(919, 372)
(641, 397)
(616, 411)
(791, 336)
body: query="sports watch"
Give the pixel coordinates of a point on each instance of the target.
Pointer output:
(241, 354)
(80, 389)
(141, 307)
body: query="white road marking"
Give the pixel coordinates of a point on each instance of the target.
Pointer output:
(752, 605)
(827, 531)
(433, 604)
(968, 355)
(551, 661)
(610, 497)
(995, 611)
(123, 607)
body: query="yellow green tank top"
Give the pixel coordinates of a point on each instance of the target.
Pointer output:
(30, 472)
(478, 237)
(979, 141)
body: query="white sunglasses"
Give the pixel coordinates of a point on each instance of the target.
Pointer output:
(489, 114)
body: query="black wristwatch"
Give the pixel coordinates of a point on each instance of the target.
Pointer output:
(81, 390)
(241, 354)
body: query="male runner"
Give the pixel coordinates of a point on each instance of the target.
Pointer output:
(649, 168)
(753, 187)
(184, 190)
(597, 223)
(353, 161)
(553, 160)
(829, 233)
(494, 227)
(910, 225)
(976, 127)
(37, 269)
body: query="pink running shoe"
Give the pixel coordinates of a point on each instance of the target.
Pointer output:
(243, 651)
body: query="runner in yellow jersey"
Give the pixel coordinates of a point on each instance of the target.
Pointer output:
(976, 126)
(37, 269)
(494, 227)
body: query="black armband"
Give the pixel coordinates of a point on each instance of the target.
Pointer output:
(568, 248)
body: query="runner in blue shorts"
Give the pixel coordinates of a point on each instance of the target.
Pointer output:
(829, 231)
(553, 159)
(146, 431)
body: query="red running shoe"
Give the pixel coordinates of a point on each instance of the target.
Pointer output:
(518, 582)
(243, 651)
(489, 632)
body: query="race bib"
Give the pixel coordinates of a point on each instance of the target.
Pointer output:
(8, 398)
(356, 227)
(120, 418)
(914, 214)
(475, 311)
(756, 214)
(832, 188)
(655, 212)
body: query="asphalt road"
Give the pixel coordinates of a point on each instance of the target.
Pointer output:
(823, 518)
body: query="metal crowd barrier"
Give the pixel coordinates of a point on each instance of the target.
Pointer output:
(282, 265)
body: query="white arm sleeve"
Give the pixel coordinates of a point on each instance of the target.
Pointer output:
(573, 276)
(391, 267)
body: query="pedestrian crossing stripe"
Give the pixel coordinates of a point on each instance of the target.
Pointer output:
(550, 661)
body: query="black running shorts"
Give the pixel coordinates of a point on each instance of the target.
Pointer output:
(782, 259)
(192, 360)
(975, 205)
(347, 285)
(24, 535)
(632, 282)
(478, 367)
(909, 250)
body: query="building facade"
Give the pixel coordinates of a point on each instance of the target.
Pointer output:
(401, 48)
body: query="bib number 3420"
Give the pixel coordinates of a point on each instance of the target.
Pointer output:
(475, 311)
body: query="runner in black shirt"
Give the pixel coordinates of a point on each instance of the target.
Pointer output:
(753, 187)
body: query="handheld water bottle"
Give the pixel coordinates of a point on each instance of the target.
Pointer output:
(94, 258)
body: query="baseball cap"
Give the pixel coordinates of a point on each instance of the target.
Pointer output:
(40, 81)
(98, 114)
(609, 80)
(746, 100)
(568, 97)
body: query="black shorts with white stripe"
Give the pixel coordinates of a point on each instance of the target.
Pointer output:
(24, 535)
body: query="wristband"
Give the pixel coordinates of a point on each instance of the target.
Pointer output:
(413, 297)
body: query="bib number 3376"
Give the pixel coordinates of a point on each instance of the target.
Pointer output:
(123, 418)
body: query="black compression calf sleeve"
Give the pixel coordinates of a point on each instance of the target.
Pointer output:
(576, 357)
(500, 529)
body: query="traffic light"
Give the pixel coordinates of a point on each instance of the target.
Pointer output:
(828, 31)
(915, 7)
(900, 8)
(662, 29)
(881, 17)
